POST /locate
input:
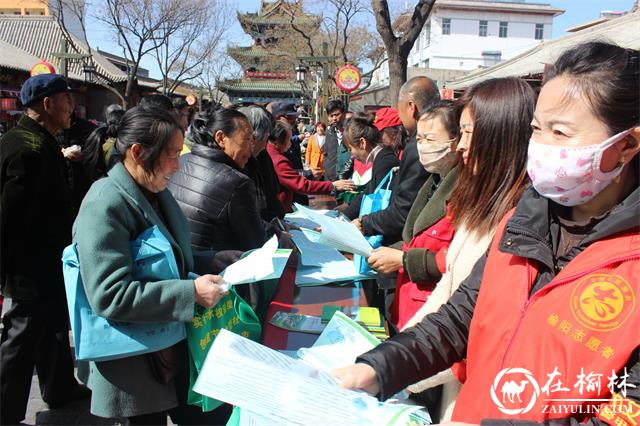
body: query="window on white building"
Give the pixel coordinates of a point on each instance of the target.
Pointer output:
(491, 58)
(539, 31)
(482, 30)
(504, 29)
(446, 26)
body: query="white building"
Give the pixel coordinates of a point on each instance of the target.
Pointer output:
(471, 34)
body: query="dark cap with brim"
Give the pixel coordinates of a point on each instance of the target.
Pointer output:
(40, 86)
(286, 108)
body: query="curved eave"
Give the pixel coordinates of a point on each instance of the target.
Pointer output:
(253, 88)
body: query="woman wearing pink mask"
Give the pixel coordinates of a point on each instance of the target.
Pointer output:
(552, 309)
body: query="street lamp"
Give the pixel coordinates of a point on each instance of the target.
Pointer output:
(301, 73)
(89, 73)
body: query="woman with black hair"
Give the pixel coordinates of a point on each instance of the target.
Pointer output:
(117, 210)
(98, 153)
(364, 141)
(549, 316)
(292, 182)
(212, 188)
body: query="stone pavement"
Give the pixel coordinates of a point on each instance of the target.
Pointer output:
(75, 413)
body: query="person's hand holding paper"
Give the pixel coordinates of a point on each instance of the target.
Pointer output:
(339, 234)
(265, 263)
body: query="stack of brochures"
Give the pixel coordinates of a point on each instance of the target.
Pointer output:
(271, 388)
(369, 317)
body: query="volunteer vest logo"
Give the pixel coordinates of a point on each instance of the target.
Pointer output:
(602, 302)
(519, 391)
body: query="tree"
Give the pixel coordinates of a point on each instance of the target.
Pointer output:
(76, 8)
(344, 29)
(399, 46)
(191, 31)
(215, 67)
(135, 24)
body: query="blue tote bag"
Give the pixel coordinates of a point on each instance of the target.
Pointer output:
(378, 200)
(98, 339)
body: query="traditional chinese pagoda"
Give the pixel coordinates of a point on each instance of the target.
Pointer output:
(269, 63)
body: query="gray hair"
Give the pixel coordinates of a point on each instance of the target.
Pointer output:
(260, 120)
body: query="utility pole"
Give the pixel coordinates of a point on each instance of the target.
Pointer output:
(325, 62)
(64, 56)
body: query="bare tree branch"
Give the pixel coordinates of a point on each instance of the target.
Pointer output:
(77, 9)
(399, 47)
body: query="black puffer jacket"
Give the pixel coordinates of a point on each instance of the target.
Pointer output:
(219, 201)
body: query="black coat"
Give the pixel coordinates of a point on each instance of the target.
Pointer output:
(35, 213)
(261, 171)
(331, 146)
(407, 182)
(384, 161)
(219, 201)
(441, 338)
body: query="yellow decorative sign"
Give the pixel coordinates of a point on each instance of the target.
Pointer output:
(42, 67)
(348, 78)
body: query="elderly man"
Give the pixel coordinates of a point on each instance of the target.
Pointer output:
(416, 95)
(35, 225)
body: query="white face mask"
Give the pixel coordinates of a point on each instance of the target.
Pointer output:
(570, 176)
(437, 157)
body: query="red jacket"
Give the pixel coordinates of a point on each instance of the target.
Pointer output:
(584, 323)
(291, 181)
(410, 296)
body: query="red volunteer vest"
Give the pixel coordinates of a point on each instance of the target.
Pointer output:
(410, 296)
(577, 330)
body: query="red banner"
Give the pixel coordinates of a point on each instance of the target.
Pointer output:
(269, 75)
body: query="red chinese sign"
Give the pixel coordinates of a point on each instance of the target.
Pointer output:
(348, 78)
(268, 74)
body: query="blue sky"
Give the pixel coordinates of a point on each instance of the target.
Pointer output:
(576, 12)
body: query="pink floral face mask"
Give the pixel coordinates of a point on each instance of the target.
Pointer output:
(570, 175)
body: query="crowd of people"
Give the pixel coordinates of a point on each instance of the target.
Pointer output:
(504, 205)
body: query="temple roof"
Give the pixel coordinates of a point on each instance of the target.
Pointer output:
(270, 86)
(252, 19)
(255, 52)
(278, 12)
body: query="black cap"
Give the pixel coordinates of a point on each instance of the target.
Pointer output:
(284, 108)
(40, 86)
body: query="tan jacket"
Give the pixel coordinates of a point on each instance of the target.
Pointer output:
(314, 155)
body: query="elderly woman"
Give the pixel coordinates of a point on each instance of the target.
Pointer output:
(291, 182)
(116, 210)
(259, 167)
(213, 190)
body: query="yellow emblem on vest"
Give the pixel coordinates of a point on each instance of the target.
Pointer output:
(602, 302)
